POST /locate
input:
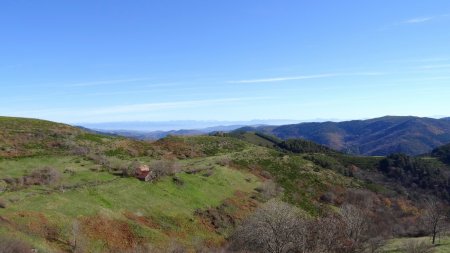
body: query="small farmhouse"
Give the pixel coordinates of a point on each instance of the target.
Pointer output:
(143, 173)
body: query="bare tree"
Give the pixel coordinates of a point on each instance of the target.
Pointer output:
(162, 168)
(435, 217)
(269, 189)
(356, 223)
(328, 235)
(276, 227)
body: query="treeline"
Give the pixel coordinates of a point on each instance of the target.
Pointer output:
(304, 146)
(442, 153)
(417, 173)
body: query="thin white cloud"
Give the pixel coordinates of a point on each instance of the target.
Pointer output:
(415, 21)
(117, 110)
(105, 82)
(305, 77)
(418, 20)
(280, 79)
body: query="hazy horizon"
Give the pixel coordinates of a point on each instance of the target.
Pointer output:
(153, 126)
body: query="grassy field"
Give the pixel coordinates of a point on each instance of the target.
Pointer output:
(116, 213)
(22, 166)
(155, 213)
(398, 245)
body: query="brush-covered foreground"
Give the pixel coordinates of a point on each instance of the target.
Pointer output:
(117, 213)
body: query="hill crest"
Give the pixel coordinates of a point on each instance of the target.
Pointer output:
(379, 136)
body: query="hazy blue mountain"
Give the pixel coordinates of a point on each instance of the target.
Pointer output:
(379, 136)
(149, 126)
(154, 135)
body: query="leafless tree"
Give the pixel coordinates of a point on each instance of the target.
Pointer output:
(276, 227)
(435, 217)
(269, 189)
(356, 223)
(328, 235)
(164, 168)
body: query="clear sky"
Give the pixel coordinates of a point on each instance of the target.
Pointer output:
(94, 61)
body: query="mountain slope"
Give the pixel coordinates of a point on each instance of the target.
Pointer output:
(77, 196)
(155, 135)
(380, 136)
(82, 196)
(20, 137)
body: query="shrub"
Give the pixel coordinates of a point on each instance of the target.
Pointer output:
(2, 203)
(44, 176)
(126, 169)
(9, 245)
(178, 181)
(269, 189)
(208, 173)
(79, 150)
(3, 186)
(224, 161)
(162, 168)
(98, 159)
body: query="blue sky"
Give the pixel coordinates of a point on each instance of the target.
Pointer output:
(94, 61)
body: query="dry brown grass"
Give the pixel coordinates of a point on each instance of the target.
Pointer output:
(116, 234)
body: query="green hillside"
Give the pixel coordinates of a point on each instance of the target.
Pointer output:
(63, 189)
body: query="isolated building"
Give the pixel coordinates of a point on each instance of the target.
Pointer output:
(144, 173)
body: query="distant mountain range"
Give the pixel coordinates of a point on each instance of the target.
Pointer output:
(376, 137)
(379, 136)
(152, 126)
(155, 135)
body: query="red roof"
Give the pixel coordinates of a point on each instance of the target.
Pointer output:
(143, 174)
